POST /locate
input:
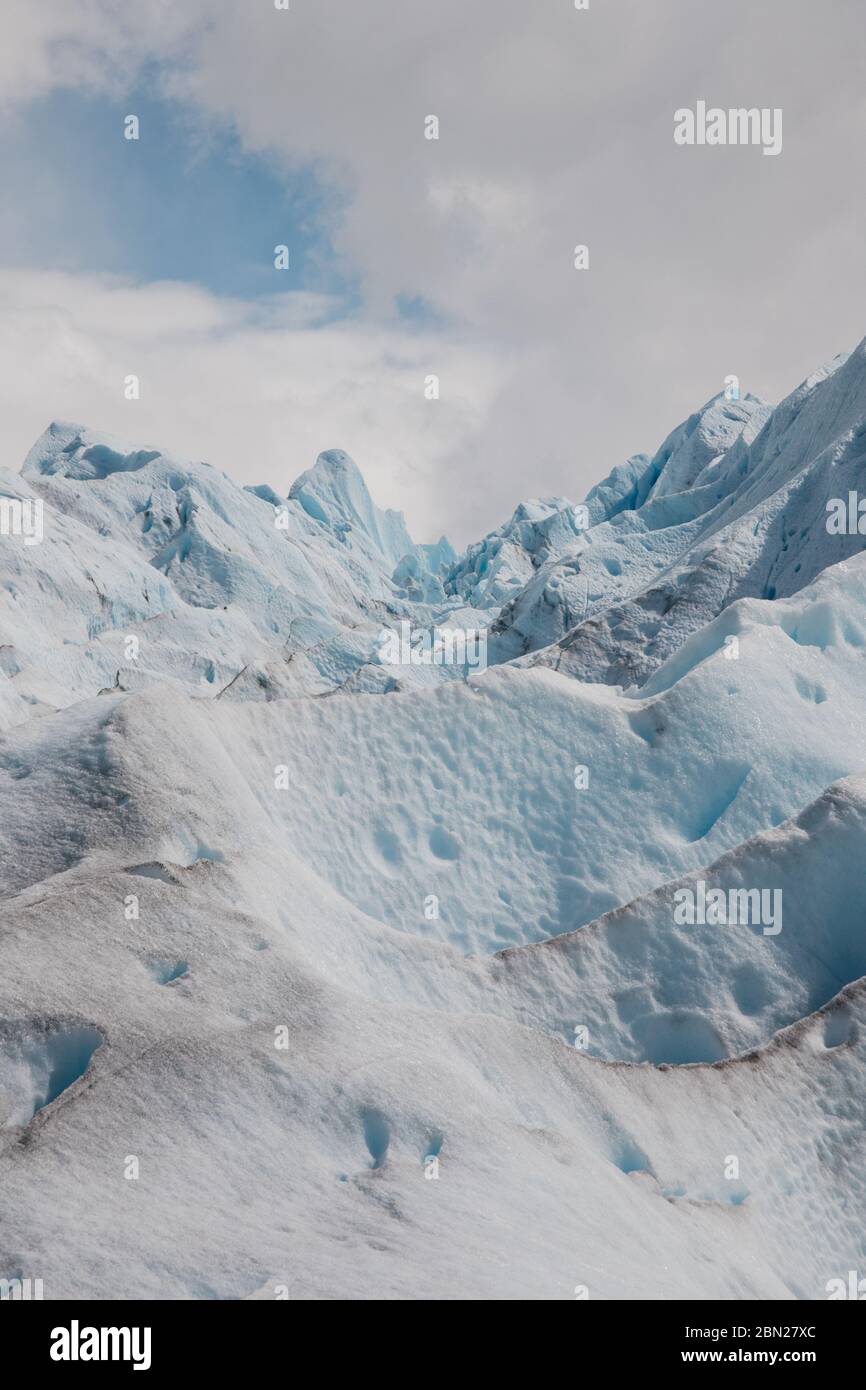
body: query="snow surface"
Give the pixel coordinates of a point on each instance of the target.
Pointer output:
(254, 824)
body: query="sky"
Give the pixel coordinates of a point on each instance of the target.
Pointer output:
(411, 257)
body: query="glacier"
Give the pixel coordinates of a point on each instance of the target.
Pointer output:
(326, 977)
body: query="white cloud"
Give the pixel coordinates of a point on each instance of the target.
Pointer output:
(250, 387)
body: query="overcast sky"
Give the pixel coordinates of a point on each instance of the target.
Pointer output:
(410, 256)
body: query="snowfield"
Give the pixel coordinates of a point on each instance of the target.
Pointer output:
(329, 978)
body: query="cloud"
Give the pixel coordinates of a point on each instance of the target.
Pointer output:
(556, 127)
(96, 44)
(252, 387)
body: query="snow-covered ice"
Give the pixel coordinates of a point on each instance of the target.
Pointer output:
(366, 981)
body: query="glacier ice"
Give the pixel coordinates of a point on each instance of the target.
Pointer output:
(369, 965)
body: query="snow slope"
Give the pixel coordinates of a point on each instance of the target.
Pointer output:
(366, 981)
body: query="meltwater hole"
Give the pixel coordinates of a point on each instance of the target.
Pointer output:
(38, 1064)
(377, 1136)
(165, 972)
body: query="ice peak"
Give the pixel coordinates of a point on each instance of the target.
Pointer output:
(333, 492)
(73, 451)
